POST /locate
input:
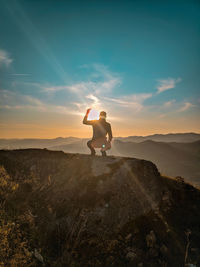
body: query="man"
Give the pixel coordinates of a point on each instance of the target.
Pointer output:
(100, 130)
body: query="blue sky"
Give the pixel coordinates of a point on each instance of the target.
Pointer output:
(138, 60)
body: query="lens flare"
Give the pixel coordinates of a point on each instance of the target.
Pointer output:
(93, 115)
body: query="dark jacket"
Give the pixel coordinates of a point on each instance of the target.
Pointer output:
(100, 128)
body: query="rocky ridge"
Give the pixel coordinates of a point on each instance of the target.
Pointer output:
(77, 210)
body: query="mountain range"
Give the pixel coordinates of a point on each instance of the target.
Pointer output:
(174, 154)
(47, 143)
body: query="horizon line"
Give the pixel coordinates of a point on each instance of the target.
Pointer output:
(19, 138)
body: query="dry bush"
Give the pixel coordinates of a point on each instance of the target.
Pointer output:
(14, 247)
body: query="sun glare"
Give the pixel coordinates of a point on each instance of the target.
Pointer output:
(93, 115)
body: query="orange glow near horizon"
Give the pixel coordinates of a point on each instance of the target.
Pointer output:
(83, 131)
(52, 125)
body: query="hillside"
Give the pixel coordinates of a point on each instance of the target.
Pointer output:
(171, 137)
(172, 159)
(62, 209)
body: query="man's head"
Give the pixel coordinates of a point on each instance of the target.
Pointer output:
(102, 115)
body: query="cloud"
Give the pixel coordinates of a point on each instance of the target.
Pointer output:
(125, 104)
(97, 90)
(15, 101)
(81, 87)
(94, 99)
(96, 87)
(32, 100)
(52, 89)
(97, 93)
(21, 74)
(100, 81)
(169, 103)
(5, 59)
(186, 106)
(167, 84)
(134, 101)
(90, 93)
(160, 116)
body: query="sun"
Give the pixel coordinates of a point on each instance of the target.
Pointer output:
(93, 115)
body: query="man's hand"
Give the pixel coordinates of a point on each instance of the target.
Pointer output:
(88, 111)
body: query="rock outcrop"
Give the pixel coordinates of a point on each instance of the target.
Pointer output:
(78, 210)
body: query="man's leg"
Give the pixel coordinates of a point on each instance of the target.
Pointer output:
(103, 150)
(105, 146)
(103, 153)
(89, 144)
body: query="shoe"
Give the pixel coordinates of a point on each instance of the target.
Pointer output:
(103, 153)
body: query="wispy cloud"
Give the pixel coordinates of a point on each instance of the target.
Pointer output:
(160, 116)
(97, 90)
(169, 103)
(5, 59)
(94, 99)
(107, 81)
(82, 87)
(167, 84)
(53, 89)
(15, 101)
(186, 106)
(132, 102)
(20, 74)
(101, 82)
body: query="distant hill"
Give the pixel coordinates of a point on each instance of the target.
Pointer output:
(79, 146)
(35, 143)
(173, 159)
(60, 209)
(175, 137)
(47, 143)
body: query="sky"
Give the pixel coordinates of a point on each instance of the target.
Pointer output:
(137, 60)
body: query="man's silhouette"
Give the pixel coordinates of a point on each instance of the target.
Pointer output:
(100, 130)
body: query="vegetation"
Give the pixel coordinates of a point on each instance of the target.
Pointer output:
(15, 248)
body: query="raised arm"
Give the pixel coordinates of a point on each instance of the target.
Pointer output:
(85, 120)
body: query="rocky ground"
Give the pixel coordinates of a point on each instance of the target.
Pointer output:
(62, 209)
